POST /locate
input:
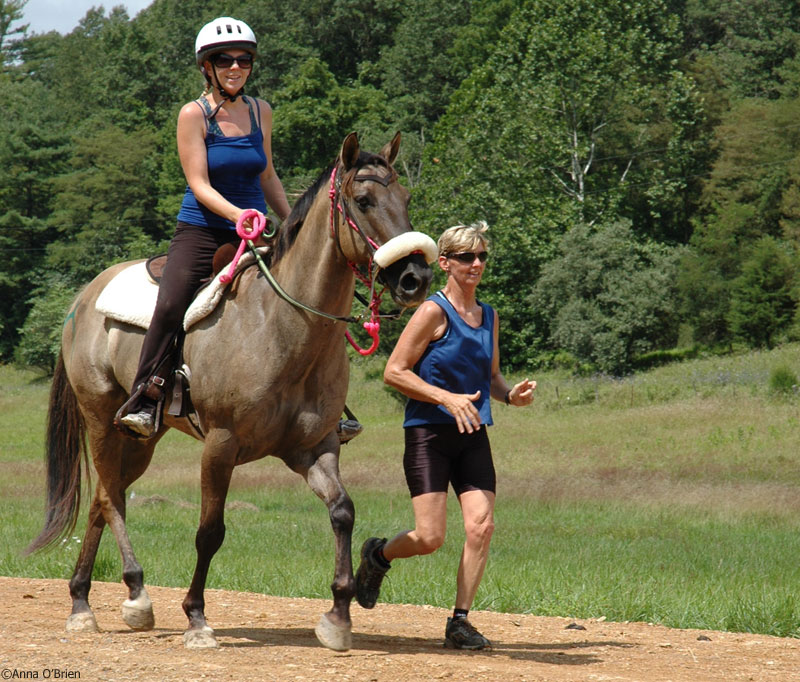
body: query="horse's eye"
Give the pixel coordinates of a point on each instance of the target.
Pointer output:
(363, 202)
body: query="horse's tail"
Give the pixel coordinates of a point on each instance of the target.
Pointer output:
(66, 442)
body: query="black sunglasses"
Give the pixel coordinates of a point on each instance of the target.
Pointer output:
(469, 256)
(225, 61)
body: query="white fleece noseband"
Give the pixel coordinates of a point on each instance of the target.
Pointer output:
(404, 245)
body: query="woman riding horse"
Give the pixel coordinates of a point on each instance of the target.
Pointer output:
(225, 149)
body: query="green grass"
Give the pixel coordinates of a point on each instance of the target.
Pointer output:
(669, 497)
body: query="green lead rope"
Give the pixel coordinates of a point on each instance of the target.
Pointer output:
(278, 290)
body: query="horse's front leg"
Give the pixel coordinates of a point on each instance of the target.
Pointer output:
(335, 628)
(219, 458)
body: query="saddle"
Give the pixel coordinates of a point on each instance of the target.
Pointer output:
(130, 297)
(223, 257)
(142, 280)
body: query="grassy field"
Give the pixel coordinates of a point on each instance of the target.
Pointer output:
(671, 497)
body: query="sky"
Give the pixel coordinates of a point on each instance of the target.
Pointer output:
(64, 15)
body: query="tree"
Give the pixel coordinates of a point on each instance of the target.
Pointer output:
(554, 130)
(151, 64)
(40, 336)
(679, 116)
(608, 297)
(22, 241)
(32, 151)
(749, 42)
(666, 181)
(318, 111)
(351, 33)
(764, 297)
(10, 11)
(104, 211)
(416, 71)
(34, 148)
(752, 193)
(347, 35)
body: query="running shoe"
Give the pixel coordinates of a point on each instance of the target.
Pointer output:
(461, 634)
(370, 573)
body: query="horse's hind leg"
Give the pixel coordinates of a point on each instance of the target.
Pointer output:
(335, 629)
(119, 461)
(82, 619)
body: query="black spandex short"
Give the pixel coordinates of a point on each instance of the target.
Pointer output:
(437, 455)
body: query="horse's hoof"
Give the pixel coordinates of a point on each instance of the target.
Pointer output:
(202, 638)
(138, 613)
(336, 637)
(82, 622)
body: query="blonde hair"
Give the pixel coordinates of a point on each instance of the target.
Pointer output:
(463, 238)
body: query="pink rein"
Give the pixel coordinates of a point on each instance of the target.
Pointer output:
(373, 327)
(254, 232)
(246, 234)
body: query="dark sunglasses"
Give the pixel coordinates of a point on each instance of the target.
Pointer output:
(225, 61)
(469, 256)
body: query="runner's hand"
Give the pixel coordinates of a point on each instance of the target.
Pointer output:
(522, 393)
(462, 407)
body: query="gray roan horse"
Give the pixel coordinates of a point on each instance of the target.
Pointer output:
(268, 378)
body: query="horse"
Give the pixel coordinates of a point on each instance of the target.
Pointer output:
(267, 378)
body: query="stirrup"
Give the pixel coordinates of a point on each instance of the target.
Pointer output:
(141, 423)
(151, 389)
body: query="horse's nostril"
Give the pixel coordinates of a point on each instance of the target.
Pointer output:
(409, 282)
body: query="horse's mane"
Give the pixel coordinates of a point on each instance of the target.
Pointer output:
(291, 227)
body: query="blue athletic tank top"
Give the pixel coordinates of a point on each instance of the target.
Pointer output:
(234, 166)
(461, 362)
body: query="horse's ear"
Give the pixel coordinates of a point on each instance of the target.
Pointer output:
(390, 149)
(350, 151)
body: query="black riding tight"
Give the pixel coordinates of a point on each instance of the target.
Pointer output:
(189, 264)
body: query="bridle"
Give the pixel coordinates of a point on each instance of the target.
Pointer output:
(338, 206)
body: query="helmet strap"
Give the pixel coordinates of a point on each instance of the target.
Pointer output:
(212, 86)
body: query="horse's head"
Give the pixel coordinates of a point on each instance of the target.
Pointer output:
(371, 219)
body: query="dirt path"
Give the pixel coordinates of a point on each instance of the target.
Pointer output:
(268, 638)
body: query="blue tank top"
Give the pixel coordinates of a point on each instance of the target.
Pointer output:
(460, 361)
(234, 166)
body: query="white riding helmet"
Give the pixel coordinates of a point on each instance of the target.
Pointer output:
(224, 33)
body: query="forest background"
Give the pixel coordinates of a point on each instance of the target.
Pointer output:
(638, 161)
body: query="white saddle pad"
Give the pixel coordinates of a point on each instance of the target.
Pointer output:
(131, 296)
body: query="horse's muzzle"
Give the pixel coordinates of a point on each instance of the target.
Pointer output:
(404, 266)
(408, 279)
